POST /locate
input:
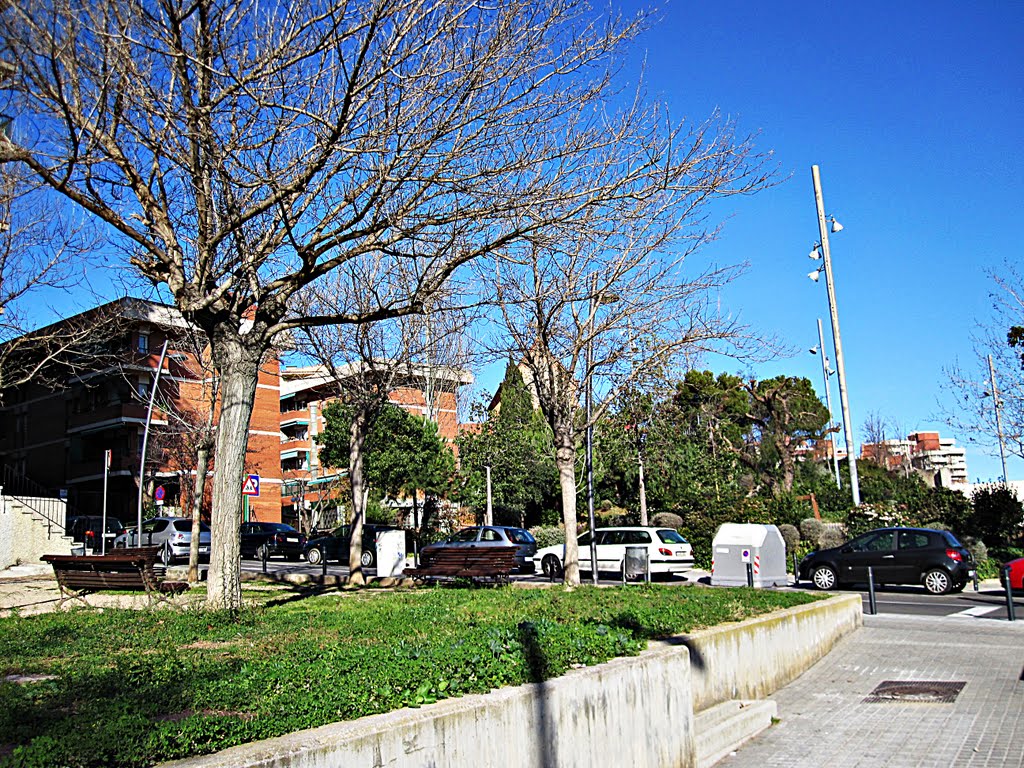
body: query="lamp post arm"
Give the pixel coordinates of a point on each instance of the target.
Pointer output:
(145, 441)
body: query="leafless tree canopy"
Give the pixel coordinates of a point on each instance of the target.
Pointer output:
(244, 150)
(972, 410)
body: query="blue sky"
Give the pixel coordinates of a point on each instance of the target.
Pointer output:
(914, 112)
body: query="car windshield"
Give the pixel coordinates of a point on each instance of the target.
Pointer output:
(278, 527)
(670, 536)
(466, 534)
(519, 536)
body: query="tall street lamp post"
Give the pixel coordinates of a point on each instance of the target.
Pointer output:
(844, 401)
(595, 301)
(825, 373)
(998, 405)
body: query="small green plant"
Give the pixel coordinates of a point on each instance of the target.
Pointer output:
(831, 536)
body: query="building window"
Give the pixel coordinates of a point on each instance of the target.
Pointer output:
(142, 388)
(143, 344)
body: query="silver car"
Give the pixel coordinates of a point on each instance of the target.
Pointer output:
(494, 536)
(172, 534)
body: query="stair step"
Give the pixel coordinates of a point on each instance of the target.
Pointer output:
(721, 729)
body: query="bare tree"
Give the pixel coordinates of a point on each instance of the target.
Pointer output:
(598, 304)
(983, 415)
(367, 361)
(241, 151)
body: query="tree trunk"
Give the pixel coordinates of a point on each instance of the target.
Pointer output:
(356, 443)
(237, 362)
(202, 459)
(565, 460)
(642, 486)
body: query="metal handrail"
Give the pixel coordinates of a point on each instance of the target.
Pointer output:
(37, 498)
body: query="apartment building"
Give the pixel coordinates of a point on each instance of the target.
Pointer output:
(938, 460)
(315, 492)
(55, 436)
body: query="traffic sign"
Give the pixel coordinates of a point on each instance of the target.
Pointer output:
(745, 554)
(251, 486)
(159, 493)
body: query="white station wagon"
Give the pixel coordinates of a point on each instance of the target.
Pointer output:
(668, 552)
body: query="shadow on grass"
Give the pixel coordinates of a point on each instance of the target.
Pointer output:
(294, 593)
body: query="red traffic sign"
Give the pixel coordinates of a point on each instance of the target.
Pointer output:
(251, 486)
(159, 493)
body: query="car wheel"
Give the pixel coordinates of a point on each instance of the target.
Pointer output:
(552, 567)
(166, 555)
(937, 582)
(263, 553)
(314, 556)
(824, 577)
(366, 559)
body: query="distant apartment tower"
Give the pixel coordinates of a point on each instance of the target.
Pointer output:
(313, 495)
(938, 460)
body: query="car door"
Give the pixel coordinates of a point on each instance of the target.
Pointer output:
(876, 550)
(583, 549)
(153, 532)
(611, 548)
(912, 555)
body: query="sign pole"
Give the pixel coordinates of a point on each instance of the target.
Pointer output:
(106, 474)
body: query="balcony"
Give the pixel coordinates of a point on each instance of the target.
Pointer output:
(295, 416)
(78, 470)
(294, 445)
(109, 417)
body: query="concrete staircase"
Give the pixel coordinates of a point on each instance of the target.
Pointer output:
(26, 533)
(721, 729)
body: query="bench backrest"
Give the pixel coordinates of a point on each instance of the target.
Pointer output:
(497, 558)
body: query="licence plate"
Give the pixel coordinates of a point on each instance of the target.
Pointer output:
(293, 539)
(970, 574)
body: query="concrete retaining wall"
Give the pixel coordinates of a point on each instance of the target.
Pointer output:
(632, 711)
(25, 536)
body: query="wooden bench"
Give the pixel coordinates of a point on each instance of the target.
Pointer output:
(494, 564)
(132, 570)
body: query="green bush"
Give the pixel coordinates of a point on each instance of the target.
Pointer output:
(831, 536)
(667, 520)
(791, 536)
(810, 530)
(548, 535)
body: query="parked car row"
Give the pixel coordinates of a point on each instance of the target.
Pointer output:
(90, 530)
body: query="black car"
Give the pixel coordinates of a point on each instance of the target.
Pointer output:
(335, 545)
(934, 559)
(269, 539)
(86, 529)
(495, 536)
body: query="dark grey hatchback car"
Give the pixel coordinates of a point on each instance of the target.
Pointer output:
(934, 559)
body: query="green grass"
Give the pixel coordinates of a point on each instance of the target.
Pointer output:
(131, 688)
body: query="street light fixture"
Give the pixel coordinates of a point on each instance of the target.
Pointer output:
(145, 434)
(844, 400)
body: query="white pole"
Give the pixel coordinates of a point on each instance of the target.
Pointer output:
(844, 400)
(489, 514)
(828, 403)
(999, 417)
(106, 474)
(145, 440)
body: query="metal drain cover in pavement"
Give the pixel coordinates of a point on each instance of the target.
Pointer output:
(924, 691)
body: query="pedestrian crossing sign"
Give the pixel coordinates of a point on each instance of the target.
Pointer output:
(251, 486)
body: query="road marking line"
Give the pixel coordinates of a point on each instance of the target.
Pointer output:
(978, 610)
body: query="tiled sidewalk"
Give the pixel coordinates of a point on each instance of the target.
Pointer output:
(825, 722)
